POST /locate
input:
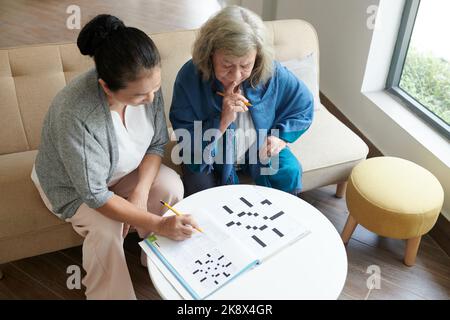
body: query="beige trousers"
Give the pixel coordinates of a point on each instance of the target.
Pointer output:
(107, 275)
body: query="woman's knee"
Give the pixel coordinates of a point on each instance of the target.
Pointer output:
(176, 188)
(110, 232)
(170, 185)
(288, 174)
(89, 222)
(291, 169)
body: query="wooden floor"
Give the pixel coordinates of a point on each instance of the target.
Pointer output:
(44, 277)
(24, 22)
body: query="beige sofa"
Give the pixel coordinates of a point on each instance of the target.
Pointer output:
(31, 76)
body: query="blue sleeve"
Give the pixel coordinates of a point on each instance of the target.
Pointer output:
(184, 110)
(295, 106)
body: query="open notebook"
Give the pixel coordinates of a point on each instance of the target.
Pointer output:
(240, 232)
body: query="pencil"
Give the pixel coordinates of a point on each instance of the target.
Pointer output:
(177, 213)
(248, 104)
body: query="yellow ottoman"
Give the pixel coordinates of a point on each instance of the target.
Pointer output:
(393, 198)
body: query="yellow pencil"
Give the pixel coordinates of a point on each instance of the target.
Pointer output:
(248, 104)
(177, 213)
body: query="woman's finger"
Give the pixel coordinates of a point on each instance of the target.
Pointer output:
(230, 90)
(240, 98)
(186, 230)
(280, 146)
(241, 108)
(263, 152)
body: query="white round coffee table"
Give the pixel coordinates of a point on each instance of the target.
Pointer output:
(314, 267)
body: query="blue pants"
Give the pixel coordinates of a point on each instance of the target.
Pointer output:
(287, 178)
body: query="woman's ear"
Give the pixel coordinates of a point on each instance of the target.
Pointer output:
(105, 87)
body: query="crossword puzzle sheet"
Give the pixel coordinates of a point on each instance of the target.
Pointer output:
(212, 269)
(207, 260)
(257, 221)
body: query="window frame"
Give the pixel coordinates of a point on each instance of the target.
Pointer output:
(397, 64)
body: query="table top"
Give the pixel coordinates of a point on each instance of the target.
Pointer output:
(314, 267)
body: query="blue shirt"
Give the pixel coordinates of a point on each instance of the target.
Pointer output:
(283, 102)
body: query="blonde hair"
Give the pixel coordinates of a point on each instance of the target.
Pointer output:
(236, 31)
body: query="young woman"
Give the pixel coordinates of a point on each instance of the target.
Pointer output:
(99, 162)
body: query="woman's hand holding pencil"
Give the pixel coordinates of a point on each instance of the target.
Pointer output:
(248, 104)
(179, 226)
(232, 103)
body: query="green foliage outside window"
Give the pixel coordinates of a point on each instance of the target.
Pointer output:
(427, 79)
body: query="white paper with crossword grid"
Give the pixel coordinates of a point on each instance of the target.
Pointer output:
(262, 225)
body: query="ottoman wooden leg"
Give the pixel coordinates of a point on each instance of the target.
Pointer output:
(350, 226)
(340, 189)
(412, 246)
(1, 274)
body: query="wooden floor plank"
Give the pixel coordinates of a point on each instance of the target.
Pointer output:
(355, 286)
(416, 280)
(16, 284)
(25, 22)
(390, 291)
(50, 270)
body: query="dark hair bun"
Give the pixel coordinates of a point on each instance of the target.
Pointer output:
(96, 31)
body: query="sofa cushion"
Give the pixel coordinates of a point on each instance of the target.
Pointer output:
(328, 143)
(29, 79)
(22, 209)
(175, 50)
(39, 241)
(306, 70)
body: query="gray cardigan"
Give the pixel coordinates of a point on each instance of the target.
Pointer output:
(78, 151)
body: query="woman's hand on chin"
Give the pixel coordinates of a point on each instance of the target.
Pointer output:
(233, 102)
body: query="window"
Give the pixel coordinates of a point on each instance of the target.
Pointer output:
(420, 70)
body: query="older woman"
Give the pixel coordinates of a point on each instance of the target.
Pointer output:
(254, 106)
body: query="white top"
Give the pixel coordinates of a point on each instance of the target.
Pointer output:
(245, 135)
(314, 267)
(133, 140)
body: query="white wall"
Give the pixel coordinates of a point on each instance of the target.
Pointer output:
(345, 43)
(232, 2)
(265, 8)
